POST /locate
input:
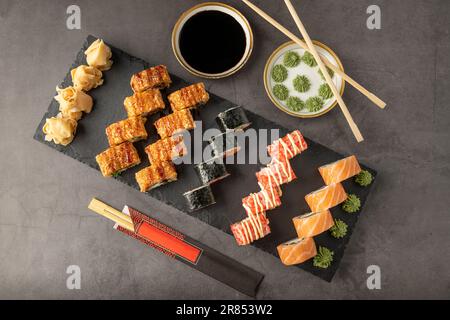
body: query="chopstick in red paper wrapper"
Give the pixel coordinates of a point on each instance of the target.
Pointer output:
(181, 247)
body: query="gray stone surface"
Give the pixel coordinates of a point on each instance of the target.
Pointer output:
(45, 225)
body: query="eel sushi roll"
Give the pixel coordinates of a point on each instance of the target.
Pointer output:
(199, 198)
(224, 144)
(211, 171)
(233, 119)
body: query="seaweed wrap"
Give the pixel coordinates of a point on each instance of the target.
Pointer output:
(224, 144)
(199, 198)
(233, 119)
(211, 171)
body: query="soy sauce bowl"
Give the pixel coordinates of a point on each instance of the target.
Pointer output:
(195, 45)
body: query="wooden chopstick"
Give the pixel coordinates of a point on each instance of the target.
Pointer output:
(372, 97)
(112, 214)
(325, 73)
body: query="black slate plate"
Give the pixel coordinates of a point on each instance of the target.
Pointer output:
(91, 140)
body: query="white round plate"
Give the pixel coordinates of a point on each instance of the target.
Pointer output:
(302, 69)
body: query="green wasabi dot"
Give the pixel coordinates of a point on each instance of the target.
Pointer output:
(291, 59)
(325, 91)
(295, 103)
(301, 83)
(280, 92)
(330, 72)
(364, 178)
(314, 104)
(324, 258)
(279, 73)
(308, 59)
(352, 204)
(339, 230)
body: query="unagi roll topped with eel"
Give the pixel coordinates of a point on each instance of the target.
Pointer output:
(174, 123)
(131, 129)
(152, 78)
(340, 170)
(156, 175)
(116, 159)
(166, 149)
(144, 103)
(189, 97)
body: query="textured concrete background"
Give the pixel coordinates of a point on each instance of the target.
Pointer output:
(45, 225)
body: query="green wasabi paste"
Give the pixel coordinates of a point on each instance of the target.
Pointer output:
(325, 91)
(339, 230)
(314, 104)
(324, 258)
(364, 178)
(308, 59)
(295, 103)
(291, 59)
(330, 72)
(279, 73)
(352, 204)
(280, 92)
(301, 83)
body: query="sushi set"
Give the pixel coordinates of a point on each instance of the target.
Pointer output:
(301, 207)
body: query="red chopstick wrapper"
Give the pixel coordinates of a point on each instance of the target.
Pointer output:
(195, 254)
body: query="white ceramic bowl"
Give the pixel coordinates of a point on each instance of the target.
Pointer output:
(217, 6)
(302, 69)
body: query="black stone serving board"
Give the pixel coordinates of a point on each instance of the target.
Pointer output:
(108, 108)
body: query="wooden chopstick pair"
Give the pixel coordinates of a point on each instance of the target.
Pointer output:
(109, 212)
(322, 62)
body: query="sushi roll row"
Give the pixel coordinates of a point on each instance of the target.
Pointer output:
(320, 218)
(278, 172)
(211, 171)
(170, 145)
(208, 172)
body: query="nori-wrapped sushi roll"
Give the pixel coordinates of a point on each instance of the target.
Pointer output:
(233, 119)
(224, 144)
(199, 198)
(211, 171)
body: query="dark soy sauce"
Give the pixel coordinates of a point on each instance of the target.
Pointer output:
(212, 42)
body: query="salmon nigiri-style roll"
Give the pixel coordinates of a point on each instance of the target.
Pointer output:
(297, 251)
(340, 170)
(314, 223)
(287, 147)
(250, 229)
(326, 197)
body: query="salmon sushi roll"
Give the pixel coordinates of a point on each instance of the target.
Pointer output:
(314, 223)
(340, 170)
(297, 251)
(287, 147)
(258, 203)
(326, 197)
(250, 229)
